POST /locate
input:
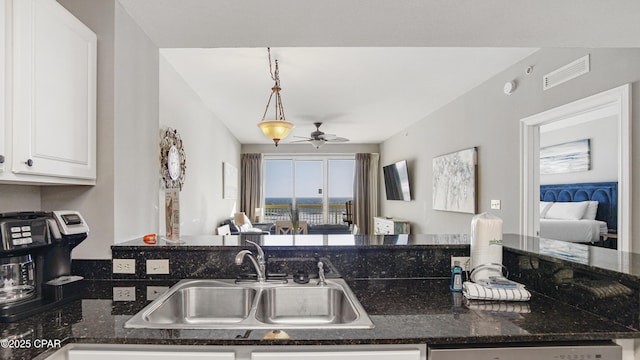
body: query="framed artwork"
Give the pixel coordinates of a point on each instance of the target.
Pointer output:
(568, 157)
(455, 181)
(229, 181)
(173, 162)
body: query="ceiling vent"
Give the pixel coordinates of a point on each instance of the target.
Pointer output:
(566, 73)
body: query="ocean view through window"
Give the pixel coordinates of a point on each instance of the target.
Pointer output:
(318, 187)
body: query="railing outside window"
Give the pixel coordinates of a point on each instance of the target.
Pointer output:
(312, 214)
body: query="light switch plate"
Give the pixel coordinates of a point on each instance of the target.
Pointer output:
(124, 266)
(158, 266)
(495, 204)
(124, 293)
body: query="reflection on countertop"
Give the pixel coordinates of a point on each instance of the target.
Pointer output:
(305, 240)
(607, 259)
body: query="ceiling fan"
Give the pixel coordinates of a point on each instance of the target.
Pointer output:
(318, 138)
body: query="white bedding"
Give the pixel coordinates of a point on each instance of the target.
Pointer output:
(572, 230)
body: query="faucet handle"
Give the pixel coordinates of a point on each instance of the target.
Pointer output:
(321, 278)
(258, 248)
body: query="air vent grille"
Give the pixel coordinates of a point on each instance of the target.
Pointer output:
(566, 73)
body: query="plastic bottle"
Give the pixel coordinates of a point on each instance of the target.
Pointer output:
(456, 278)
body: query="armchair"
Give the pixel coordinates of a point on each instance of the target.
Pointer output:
(240, 224)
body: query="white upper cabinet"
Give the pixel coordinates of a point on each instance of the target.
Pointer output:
(53, 95)
(4, 33)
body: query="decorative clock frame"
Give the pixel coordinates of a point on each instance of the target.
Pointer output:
(173, 162)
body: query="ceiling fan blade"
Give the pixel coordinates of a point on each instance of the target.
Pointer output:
(303, 137)
(299, 141)
(328, 136)
(337, 139)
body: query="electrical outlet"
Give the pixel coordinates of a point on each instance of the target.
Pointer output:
(124, 293)
(153, 292)
(463, 261)
(158, 266)
(124, 266)
(495, 204)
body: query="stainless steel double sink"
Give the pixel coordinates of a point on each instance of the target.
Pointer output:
(224, 304)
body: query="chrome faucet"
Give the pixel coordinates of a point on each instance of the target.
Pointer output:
(261, 258)
(321, 279)
(257, 261)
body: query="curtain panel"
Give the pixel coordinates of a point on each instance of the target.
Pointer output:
(250, 183)
(365, 192)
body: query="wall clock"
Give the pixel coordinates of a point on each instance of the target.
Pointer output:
(173, 162)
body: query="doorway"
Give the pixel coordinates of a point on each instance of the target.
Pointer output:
(610, 103)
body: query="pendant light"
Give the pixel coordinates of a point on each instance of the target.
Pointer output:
(277, 128)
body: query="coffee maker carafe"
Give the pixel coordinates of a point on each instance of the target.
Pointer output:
(35, 261)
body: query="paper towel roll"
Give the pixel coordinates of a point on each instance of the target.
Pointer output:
(486, 245)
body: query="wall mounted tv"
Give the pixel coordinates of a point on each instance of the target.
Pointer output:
(396, 181)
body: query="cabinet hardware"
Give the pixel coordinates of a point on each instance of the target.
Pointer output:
(29, 163)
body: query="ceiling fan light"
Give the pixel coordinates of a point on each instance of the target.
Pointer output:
(317, 143)
(276, 130)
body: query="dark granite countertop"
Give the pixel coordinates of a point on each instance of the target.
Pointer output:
(419, 311)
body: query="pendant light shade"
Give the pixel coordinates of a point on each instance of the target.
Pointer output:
(275, 129)
(278, 128)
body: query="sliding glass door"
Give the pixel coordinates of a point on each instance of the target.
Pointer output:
(340, 174)
(308, 185)
(317, 186)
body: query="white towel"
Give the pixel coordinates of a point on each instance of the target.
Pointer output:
(498, 306)
(475, 291)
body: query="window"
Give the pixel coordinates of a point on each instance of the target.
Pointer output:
(317, 186)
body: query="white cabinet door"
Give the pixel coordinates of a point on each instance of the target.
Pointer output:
(54, 92)
(339, 355)
(3, 82)
(146, 355)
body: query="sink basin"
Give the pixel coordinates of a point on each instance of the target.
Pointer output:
(203, 302)
(305, 305)
(223, 304)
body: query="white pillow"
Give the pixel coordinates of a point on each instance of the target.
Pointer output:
(592, 209)
(567, 210)
(544, 207)
(248, 229)
(246, 220)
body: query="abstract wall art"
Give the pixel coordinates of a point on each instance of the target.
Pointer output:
(454, 181)
(229, 181)
(565, 158)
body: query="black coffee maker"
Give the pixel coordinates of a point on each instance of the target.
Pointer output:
(35, 261)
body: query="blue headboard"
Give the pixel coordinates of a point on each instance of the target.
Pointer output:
(605, 193)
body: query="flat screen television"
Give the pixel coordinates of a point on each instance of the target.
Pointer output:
(396, 181)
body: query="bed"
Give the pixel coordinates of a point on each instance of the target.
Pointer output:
(580, 212)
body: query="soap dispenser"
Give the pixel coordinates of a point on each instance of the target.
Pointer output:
(456, 277)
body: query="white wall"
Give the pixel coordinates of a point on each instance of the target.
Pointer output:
(136, 150)
(207, 144)
(19, 198)
(487, 118)
(603, 141)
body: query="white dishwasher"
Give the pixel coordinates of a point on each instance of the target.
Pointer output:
(587, 351)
